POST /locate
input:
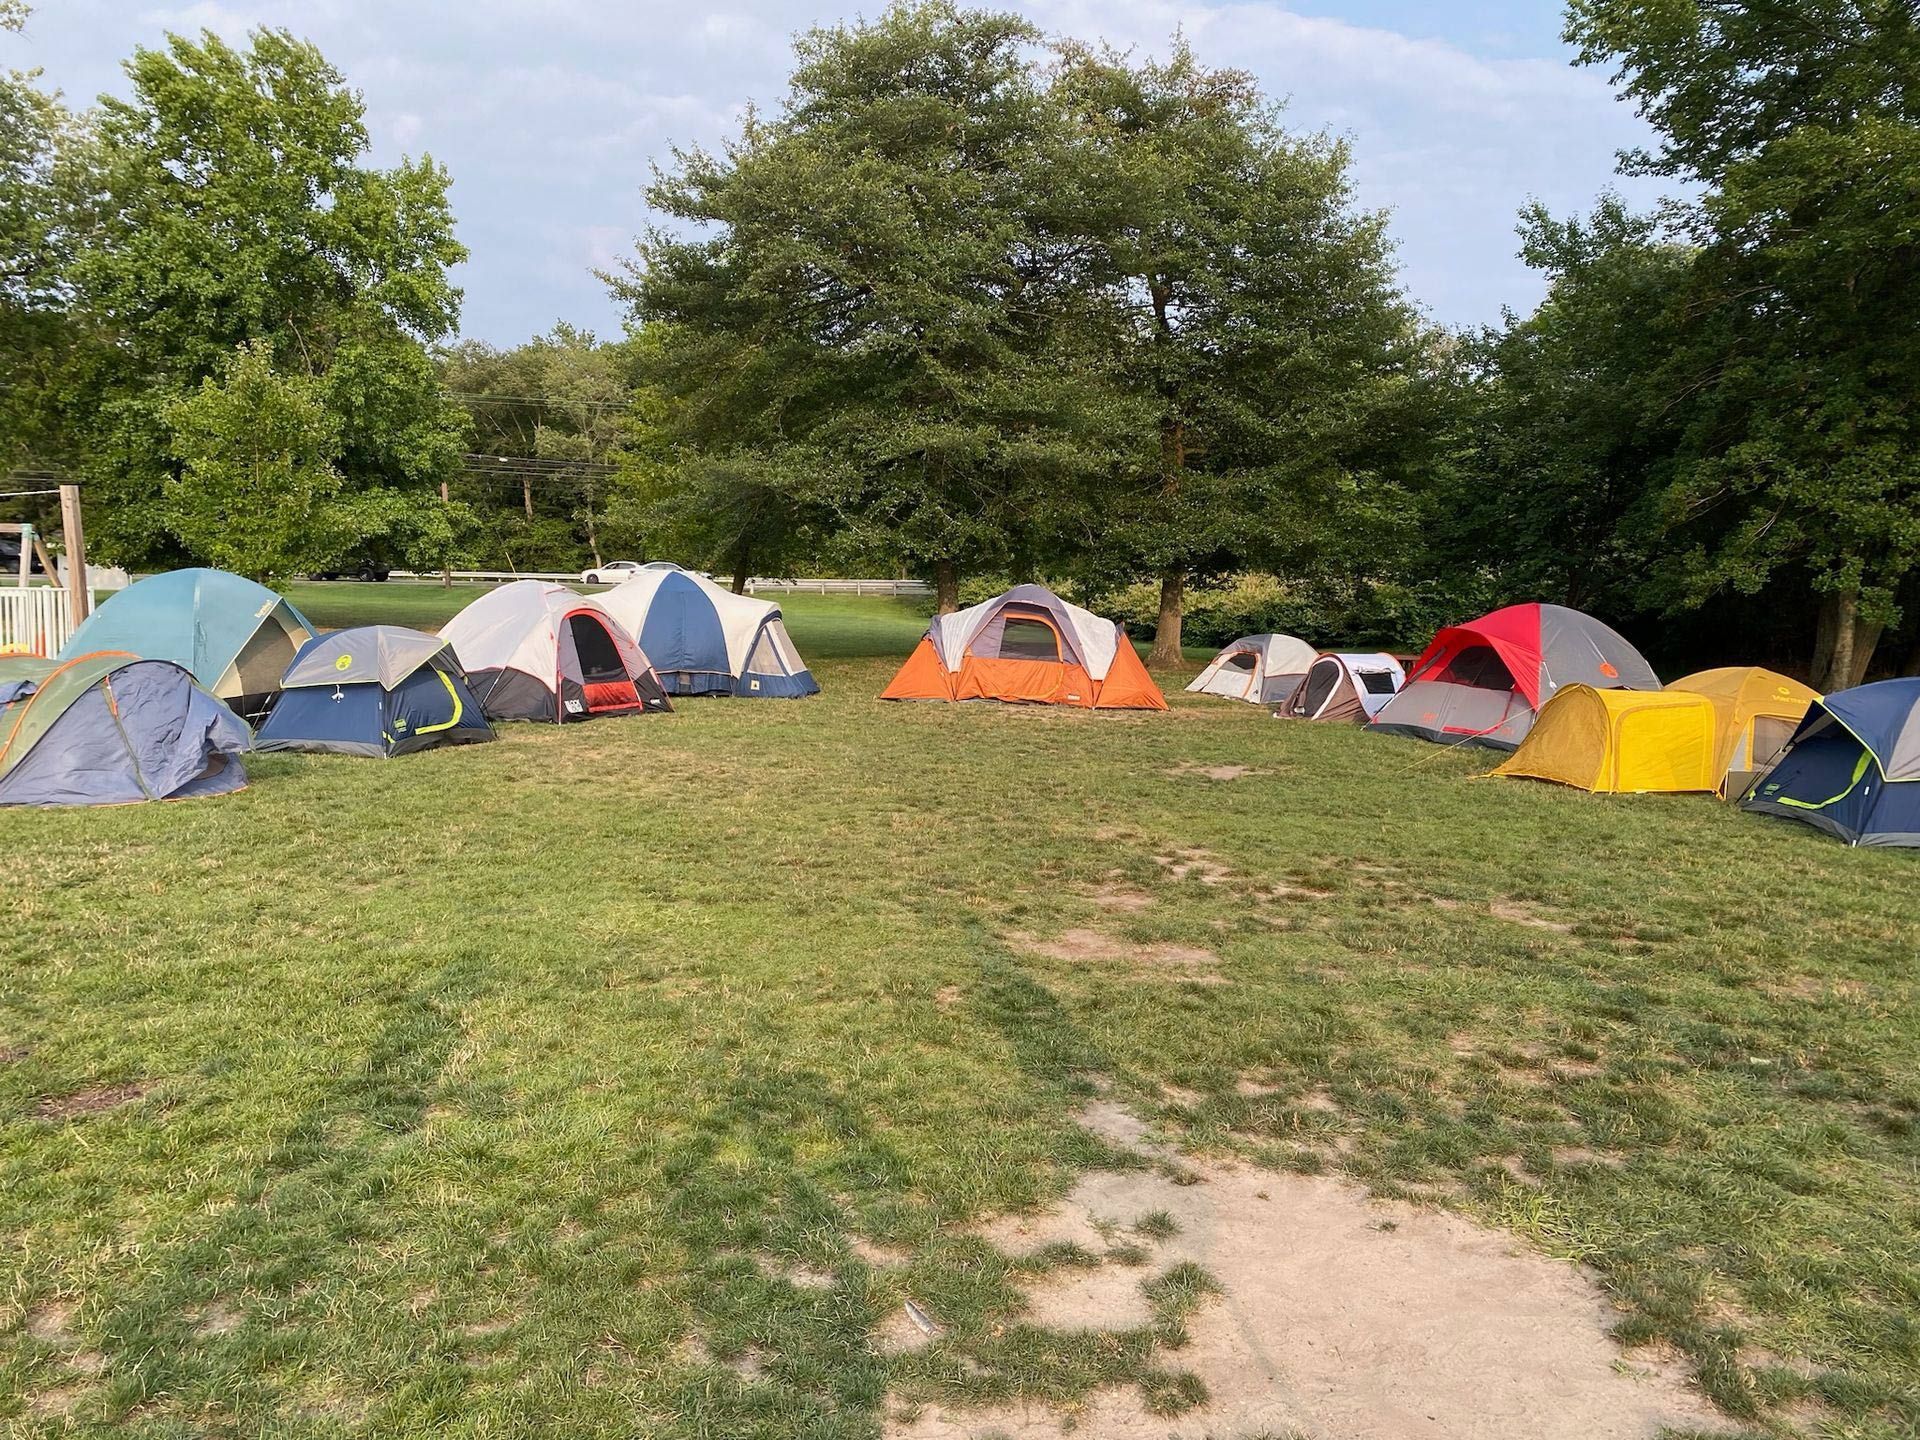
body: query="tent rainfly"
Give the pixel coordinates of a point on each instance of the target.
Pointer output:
(235, 637)
(1028, 646)
(1708, 732)
(379, 690)
(1852, 768)
(1755, 713)
(1346, 686)
(534, 650)
(109, 728)
(1484, 681)
(1260, 669)
(703, 640)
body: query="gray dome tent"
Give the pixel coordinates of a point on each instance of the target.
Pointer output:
(110, 729)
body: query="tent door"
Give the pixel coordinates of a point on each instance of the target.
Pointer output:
(603, 675)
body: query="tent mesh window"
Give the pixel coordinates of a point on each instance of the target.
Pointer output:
(1025, 639)
(1378, 682)
(1770, 737)
(765, 659)
(1478, 665)
(1245, 660)
(263, 660)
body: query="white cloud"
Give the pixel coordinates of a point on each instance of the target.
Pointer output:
(549, 115)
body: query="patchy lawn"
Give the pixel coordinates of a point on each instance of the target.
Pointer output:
(677, 1076)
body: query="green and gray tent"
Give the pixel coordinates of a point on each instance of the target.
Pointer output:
(111, 728)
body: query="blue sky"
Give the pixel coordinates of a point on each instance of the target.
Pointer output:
(549, 115)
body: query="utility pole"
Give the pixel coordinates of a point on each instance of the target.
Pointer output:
(79, 597)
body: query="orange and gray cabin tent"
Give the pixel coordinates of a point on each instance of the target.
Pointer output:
(1483, 682)
(534, 650)
(110, 728)
(1027, 646)
(1260, 669)
(1346, 686)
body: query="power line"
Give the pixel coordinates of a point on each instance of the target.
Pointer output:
(496, 399)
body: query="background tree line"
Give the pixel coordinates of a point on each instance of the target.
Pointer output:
(978, 305)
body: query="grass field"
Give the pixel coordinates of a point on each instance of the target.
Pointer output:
(574, 1085)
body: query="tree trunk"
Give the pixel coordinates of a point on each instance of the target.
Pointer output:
(1844, 646)
(1166, 634)
(446, 573)
(742, 569)
(946, 587)
(526, 494)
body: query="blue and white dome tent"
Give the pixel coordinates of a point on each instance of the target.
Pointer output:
(703, 640)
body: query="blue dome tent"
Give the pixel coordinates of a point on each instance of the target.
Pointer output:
(703, 640)
(1852, 768)
(235, 637)
(112, 729)
(378, 690)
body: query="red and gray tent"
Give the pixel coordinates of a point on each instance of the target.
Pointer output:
(1483, 682)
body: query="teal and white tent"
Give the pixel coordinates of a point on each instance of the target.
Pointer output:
(234, 637)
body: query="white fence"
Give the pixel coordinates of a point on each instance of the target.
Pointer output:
(755, 586)
(34, 621)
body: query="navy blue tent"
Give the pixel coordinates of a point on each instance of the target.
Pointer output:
(1852, 769)
(110, 729)
(379, 690)
(702, 640)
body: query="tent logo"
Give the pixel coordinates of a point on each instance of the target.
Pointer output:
(345, 662)
(1607, 669)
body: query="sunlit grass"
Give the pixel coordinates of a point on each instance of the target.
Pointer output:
(504, 1090)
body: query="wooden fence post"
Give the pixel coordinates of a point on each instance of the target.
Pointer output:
(79, 597)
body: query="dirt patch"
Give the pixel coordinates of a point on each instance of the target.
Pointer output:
(216, 1318)
(1201, 865)
(1339, 1315)
(907, 1328)
(90, 1101)
(1210, 772)
(805, 1277)
(1107, 1297)
(1251, 1089)
(51, 1321)
(14, 1054)
(1116, 1125)
(1185, 962)
(1120, 900)
(1294, 892)
(947, 996)
(1521, 913)
(60, 1400)
(880, 1257)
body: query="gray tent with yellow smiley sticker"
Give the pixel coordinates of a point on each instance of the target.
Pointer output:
(379, 690)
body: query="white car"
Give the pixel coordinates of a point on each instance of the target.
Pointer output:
(611, 573)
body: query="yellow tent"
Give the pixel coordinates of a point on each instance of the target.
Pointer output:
(1709, 732)
(1755, 712)
(1620, 740)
